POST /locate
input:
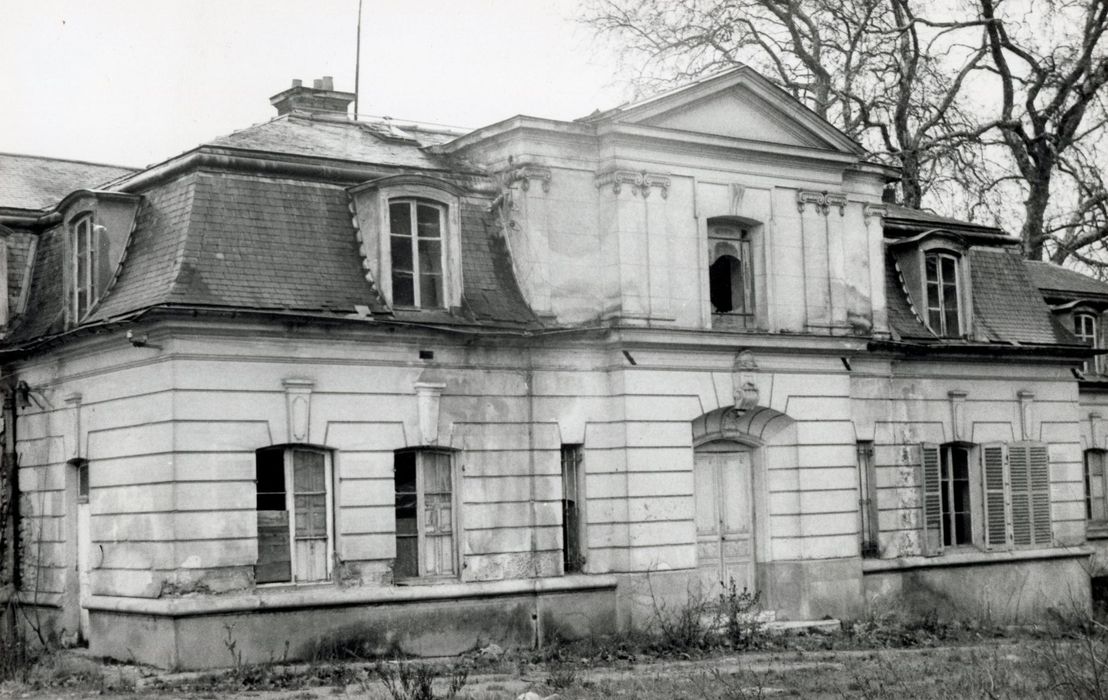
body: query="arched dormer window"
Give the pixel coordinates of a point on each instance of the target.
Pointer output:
(1087, 330)
(731, 270)
(416, 228)
(942, 280)
(82, 266)
(410, 234)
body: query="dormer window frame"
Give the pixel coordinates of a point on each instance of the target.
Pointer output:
(1086, 326)
(950, 254)
(373, 202)
(82, 263)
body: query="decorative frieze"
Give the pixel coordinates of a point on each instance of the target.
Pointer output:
(641, 182)
(823, 201)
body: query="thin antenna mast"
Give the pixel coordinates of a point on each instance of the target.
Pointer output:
(358, 62)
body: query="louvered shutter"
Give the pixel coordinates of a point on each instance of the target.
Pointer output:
(931, 501)
(1039, 471)
(996, 509)
(1019, 470)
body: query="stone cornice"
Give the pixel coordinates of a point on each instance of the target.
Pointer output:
(823, 201)
(641, 182)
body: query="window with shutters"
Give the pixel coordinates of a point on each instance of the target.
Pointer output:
(294, 507)
(1096, 499)
(426, 519)
(997, 499)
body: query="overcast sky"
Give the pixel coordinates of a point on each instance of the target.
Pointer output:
(133, 82)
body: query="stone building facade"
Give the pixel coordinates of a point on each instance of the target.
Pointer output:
(334, 382)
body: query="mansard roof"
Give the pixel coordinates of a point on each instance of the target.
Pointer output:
(1062, 284)
(260, 220)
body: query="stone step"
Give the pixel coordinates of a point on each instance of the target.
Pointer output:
(796, 626)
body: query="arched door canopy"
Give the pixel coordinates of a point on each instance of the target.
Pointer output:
(754, 426)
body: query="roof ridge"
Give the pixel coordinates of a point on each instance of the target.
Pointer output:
(9, 154)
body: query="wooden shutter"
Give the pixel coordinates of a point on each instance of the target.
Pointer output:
(931, 501)
(1019, 470)
(1038, 459)
(993, 459)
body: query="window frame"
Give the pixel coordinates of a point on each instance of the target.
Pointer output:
(83, 269)
(574, 558)
(941, 254)
(741, 234)
(289, 476)
(1102, 522)
(414, 204)
(1092, 338)
(455, 513)
(371, 216)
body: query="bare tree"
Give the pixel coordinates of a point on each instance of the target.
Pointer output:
(980, 102)
(878, 69)
(1052, 68)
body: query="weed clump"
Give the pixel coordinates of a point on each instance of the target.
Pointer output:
(405, 680)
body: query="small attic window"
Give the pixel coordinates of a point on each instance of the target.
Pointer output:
(83, 264)
(1085, 327)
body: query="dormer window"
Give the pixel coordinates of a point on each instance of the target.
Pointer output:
(1085, 328)
(82, 240)
(943, 288)
(416, 231)
(409, 231)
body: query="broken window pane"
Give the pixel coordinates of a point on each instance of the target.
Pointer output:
(400, 218)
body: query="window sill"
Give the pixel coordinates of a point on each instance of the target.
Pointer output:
(339, 596)
(1096, 530)
(971, 557)
(426, 581)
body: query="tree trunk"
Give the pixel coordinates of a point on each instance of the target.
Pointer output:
(911, 191)
(1038, 197)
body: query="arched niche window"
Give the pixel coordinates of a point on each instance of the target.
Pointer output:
(943, 286)
(1087, 330)
(731, 270)
(294, 505)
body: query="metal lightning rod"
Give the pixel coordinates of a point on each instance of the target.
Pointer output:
(358, 62)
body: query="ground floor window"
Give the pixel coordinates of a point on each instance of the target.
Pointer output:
(425, 514)
(998, 498)
(294, 504)
(1095, 497)
(572, 554)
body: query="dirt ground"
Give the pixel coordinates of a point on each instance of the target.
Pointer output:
(990, 669)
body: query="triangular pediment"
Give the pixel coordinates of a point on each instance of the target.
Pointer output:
(740, 104)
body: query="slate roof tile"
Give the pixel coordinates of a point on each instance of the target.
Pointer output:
(1049, 277)
(35, 182)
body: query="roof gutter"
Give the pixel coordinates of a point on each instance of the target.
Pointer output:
(1076, 352)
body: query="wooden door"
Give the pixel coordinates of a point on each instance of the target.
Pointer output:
(724, 520)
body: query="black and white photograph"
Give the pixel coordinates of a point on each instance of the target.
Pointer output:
(545, 350)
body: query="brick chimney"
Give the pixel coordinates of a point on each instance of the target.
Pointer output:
(320, 97)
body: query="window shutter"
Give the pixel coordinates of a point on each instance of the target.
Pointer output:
(1019, 468)
(992, 473)
(931, 501)
(1039, 471)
